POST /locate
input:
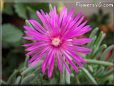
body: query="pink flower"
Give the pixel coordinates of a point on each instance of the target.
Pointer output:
(57, 39)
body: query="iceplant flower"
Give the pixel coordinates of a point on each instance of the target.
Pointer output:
(57, 40)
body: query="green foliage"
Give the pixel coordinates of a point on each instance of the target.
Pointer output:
(11, 35)
(12, 49)
(21, 10)
(8, 9)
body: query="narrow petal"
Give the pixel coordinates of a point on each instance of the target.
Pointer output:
(76, 58)
(70, 61)
(33, 33)
(44, 20)
(66, 65)
(63, 13)
(79, 32)
(80, 21)
(51, 67)
(37, 26)
(30, 38)
(41, 17)
(37, 57)
(36, 47)
(81, 41)
(45, 63)
(80, 49)
(59, 63)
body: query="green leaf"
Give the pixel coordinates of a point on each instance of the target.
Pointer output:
(28, 78)
(53, 81)
(67, 77)
(100, 50)
(108, 73)
(26, 62)
(32, 13)
(3, 82)
(62, 76)
(108, 78)
(106, 52)
(18, 80)
(8, 9)
(78, 81)
(89, 76)
(93, 33)
(43, 6)
(11, 35)
(90, 45)
(12, 77)
(99, 62)
(112, 57)
(90, 68)
(98, 41)
(99, 71)
(21, 10)
(31, 68)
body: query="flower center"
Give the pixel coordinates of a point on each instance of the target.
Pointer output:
(56, 42)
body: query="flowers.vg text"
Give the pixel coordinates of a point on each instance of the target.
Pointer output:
(98, 4)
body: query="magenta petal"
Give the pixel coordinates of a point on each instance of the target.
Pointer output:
(37, 26)
(41, 17)
(71, 62)
(80, 49)
(36, 47)
(45, 63)
(80, 21)
(83, 50)
(51, 67)
(66, 65)
(59, 63)
(62, 15)
(35, 62)
(79, 15)
(36, 56)
(81, 41)
(76, 59)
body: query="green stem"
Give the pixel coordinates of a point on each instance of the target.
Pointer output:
(12, 76)
(67, 77)
(18, 80)
(93, 33)
(2, 82)
(62, 77)
(28, 78)
(99, 62)
(31, 68)
(78, 81)
(89, 76)
(26, 62)
(109, 73)
(105, 53)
